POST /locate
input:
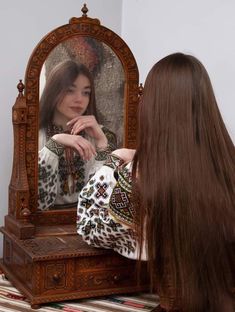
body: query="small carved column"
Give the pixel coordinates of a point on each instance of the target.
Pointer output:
(18, 211)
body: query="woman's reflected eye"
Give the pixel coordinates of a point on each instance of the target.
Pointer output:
(86, 93)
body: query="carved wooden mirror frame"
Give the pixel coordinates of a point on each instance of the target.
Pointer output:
(23, 220)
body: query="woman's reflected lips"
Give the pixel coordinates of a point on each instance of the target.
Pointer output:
(76, 109)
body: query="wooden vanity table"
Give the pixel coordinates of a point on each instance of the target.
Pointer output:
(43, 256)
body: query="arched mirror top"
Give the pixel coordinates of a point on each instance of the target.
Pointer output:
(77, 31)
(79, 27)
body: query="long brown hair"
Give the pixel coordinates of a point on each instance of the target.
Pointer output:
(58, 82)
(186, 176)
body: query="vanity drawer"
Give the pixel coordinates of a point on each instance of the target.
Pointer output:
(56, 275)
(105, 279)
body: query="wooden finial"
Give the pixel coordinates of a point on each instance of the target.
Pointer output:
(20, 88)
(84, 10)
(141, 89)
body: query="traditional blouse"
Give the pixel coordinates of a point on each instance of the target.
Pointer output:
(62, 172)
(106, 215)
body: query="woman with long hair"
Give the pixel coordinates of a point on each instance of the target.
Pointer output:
(72, 144)
(180, 185)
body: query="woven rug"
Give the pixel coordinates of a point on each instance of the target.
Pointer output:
(12, 300)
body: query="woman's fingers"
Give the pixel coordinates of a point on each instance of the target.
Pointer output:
(84, 148)
(72, 121)
(78, 127)
(80, 123)
(80, 151)
(80, 118)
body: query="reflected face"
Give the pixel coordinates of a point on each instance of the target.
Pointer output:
(75, 101)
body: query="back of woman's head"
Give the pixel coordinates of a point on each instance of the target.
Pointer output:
(185, 160)
(58, 82)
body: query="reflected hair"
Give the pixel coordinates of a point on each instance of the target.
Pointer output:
(57, 85)
(186, 179)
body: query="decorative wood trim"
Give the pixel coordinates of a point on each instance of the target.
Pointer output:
(82, 26)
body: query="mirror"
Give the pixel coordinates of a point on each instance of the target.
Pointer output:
(115, 73)
(107, 72)
(62, 175)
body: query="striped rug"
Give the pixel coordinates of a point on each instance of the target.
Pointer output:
(11, 300)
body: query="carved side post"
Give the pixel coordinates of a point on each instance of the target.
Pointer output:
(17, 220)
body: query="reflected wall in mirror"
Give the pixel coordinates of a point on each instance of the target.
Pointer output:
(81, 83)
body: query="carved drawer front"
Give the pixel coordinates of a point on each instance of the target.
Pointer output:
(57, 275)
(105, 279)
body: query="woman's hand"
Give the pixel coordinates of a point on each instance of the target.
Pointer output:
(89, 124)
(84, 148)
(126, 154)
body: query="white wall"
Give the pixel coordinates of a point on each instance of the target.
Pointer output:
(22, 25)
(204, 28)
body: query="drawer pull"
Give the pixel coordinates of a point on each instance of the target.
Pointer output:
(56, 277)
(117, 278)
(109, 279)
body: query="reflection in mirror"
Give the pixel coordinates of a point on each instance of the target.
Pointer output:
(80, 120)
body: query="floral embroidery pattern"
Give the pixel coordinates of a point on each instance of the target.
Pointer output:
(108, 223)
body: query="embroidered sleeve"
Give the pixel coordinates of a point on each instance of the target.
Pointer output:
(55, 147)
(48, 174)
(101, 215)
